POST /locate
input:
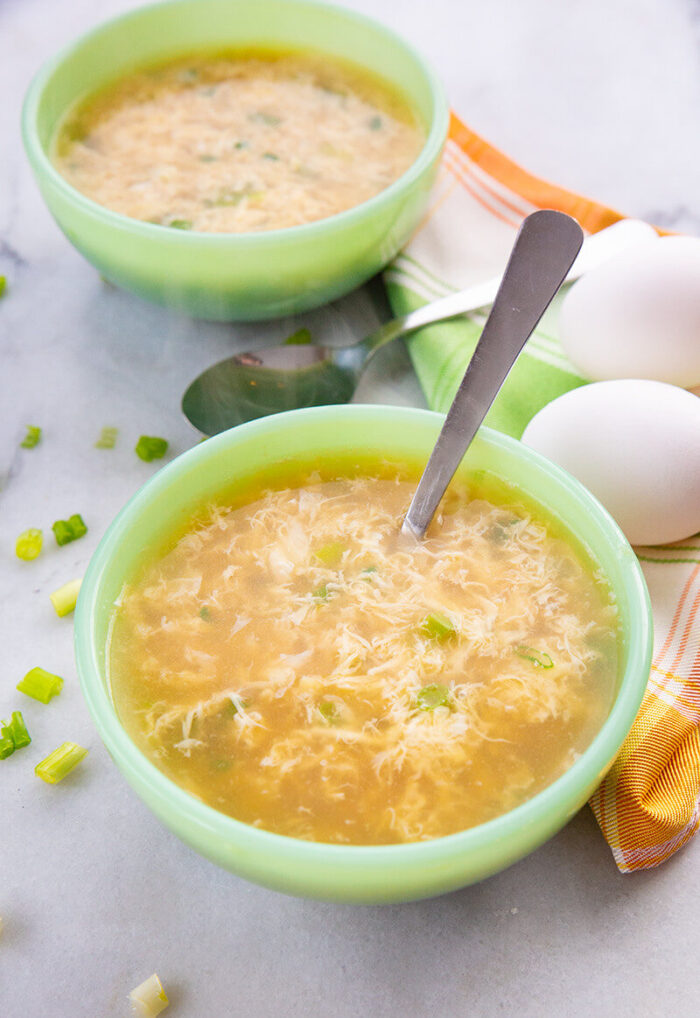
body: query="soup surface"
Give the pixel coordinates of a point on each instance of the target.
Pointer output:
(297, 664)
(238, 142)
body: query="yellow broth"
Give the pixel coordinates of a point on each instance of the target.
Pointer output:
(238, 142)
(297, 664)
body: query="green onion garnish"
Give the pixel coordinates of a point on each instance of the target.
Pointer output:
(28, 544)
(207, 158)
(18, 730)
(3, 285)
(242, 144)
(32, 438)
(69, 530)
(64, 599)
(7, 743)
(330, 554)
(538, 657)
(269, 119)
(437, 626)
(375, 123)
(329, 712)
(59, 763)
(180, 224)
(40, 684)
(432, 696)
(107, 439)
(149, 999)
(150, 448)
(271, 156)
(302, 337)
(321, 593)
(205, 613)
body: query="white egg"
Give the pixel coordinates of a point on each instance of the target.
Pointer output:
(636, 445)
(638, 314)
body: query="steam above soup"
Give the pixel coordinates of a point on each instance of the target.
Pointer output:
(239, 142)
(294, 662)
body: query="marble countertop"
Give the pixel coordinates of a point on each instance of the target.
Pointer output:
(602, 97)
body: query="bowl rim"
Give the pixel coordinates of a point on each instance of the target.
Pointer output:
(562, 794)
(45, 169)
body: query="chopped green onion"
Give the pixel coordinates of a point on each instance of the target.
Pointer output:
(7, 743)
(150, 448)
(329, 712)
(18, 730)
(432, 696)
(207, 158)
(28, 544)
(40, 685)
(375, 123)
(107, 439)
(205, 613)
(69, 530)
(330, 554)
(271, 156)
(149, 999)
(269, 119)
(321, 593)
(13, 735)
(60, 763)
(538, 657)
(64, 599)
(3, 285)
(437, 626)
(242, 144)
(180, 224)
(302, 337)
(32, 438)
(229, 709)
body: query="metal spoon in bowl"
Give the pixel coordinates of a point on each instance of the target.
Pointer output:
(544, 250)
(254, 384)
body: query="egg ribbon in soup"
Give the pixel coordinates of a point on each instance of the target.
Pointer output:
(239, 142)
(297, 664)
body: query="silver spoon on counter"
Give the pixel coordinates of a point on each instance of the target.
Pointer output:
(266, 381)
(544, 250)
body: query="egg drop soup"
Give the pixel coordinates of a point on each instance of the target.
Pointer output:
(239, 142)
(293, 661)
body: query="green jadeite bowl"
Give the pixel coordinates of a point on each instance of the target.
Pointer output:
(369, 874)
(235, 276)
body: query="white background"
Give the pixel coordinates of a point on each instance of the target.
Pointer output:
(600, 96)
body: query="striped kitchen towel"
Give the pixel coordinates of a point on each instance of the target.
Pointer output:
(649, 803)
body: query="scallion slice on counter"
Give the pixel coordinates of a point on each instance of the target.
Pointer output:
(437, 626)
(32, 438)
(149, 447)
(60, 763)
(40, 684)
(302, 337)
(18, 730)
(149, 999)
(65, 598)
(107, 439)
(432, 696)
(28, 544)
(69, 530)
(7, 744)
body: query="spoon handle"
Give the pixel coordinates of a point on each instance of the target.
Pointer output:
(544, 250)
(596, 249)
